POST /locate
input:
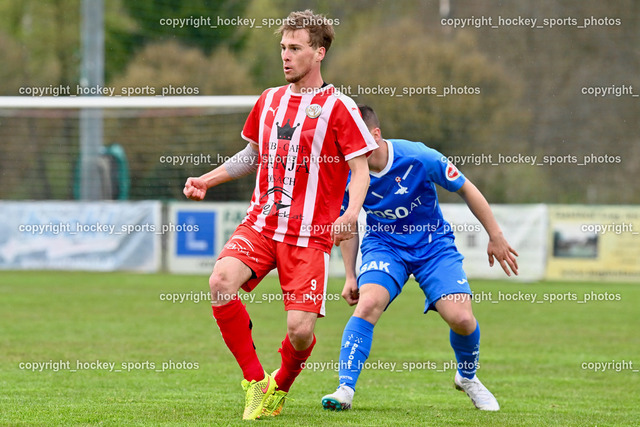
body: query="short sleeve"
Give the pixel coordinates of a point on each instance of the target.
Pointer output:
(352, 135)
(441, 171)
(251, 129)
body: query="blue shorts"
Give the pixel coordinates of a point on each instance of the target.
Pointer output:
(437, 267)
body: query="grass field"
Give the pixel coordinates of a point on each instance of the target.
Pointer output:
(537, 358)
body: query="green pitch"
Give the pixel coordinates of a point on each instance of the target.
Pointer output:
(109, 349)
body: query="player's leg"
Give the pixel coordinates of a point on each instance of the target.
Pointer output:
(304, 282)
(231, 315)
(382, 272)
(296, 346)
(464, 336)
(447, 290)
(357, 336)
(295, 350)
(373, 300)
(357, 339)
(235, 268)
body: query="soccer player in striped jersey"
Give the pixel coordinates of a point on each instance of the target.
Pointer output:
(303, 139)
(406, 235)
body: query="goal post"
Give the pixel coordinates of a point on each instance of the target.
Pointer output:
(242, 102)
(163, 140)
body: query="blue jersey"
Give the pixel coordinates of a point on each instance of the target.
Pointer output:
(401, 203)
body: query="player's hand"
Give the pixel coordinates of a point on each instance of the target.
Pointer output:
(350, 291)
(195, 189)
(344, 228)
(500, 249)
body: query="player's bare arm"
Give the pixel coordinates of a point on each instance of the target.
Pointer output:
(498, 248)
(345, 226)
(196, 187)
(349, 251)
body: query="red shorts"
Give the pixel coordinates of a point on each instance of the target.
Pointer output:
(303, 272)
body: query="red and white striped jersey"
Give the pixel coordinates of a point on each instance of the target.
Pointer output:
(304, 140)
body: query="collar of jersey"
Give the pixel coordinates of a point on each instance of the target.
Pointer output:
(319, 90)
(384, 171)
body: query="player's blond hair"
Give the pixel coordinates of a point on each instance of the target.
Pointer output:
(320, 29)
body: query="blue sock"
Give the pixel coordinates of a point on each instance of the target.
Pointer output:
(356, 345)
(467, 350)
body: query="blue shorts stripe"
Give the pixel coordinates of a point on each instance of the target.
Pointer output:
(383, 279)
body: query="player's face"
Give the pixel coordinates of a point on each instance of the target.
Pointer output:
(298, 57)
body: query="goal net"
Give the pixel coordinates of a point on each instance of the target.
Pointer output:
(150, 145)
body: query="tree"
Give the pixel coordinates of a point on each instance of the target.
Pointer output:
(200, 26)
(478, 116)
(556, 64)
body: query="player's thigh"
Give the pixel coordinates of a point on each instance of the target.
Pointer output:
(303, 275)
(441, 274)
(384, 267)
(246, 258)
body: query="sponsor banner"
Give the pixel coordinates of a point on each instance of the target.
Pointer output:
(74, 235)
(525, 228)
(594, 243)
(194, 248)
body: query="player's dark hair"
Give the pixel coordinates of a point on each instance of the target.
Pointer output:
(320, 29)
(369, 116)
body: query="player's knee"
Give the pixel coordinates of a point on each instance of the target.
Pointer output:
(300, 335)
(462, 322)
(369, 309)
(221, 287)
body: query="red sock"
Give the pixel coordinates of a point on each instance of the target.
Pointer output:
(292, 363)
(235, 326)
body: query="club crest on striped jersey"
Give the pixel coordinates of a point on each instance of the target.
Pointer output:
(313, 111)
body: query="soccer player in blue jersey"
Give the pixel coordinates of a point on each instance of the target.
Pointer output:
(407, 234)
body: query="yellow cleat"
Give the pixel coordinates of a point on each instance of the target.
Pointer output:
(257, 394)
(275, 402)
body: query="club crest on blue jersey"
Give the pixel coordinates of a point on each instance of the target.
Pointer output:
(402, 189)
(452, 172)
